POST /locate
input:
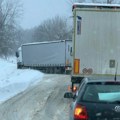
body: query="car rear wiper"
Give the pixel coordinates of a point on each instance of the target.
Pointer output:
(110, 102)
(116, 101)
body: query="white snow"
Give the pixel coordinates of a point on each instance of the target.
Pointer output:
(13, 80)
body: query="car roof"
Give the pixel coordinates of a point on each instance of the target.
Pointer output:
(93, 80)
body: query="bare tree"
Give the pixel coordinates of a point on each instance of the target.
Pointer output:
(10, 10)
(52, 29)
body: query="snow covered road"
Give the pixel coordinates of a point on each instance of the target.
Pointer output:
(43, 101)
(32, 95)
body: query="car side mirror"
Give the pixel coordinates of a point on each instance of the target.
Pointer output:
(68, 95)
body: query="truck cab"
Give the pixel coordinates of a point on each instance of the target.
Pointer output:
(19, 57)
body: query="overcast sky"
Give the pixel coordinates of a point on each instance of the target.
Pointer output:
(36, 11)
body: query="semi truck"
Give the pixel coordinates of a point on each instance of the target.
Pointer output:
(48, 56)
(96, 41)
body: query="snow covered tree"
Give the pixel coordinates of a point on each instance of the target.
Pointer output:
(10, 10)
(53, 29)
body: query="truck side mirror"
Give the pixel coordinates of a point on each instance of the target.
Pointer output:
(17, 54)
(71, 51)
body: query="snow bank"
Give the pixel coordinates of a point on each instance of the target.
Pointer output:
(14, 81)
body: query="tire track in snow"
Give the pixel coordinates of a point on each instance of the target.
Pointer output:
(43, 101)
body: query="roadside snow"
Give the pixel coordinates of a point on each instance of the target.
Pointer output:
(14, 81)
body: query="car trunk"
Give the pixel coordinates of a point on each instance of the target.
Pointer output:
(102, 111)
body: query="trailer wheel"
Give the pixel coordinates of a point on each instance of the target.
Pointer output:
(55, 70)
(51, 70)
(47, 70)
(19, 66)
(62, 71)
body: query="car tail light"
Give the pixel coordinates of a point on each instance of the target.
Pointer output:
(80, 113)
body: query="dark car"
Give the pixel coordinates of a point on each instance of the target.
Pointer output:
(96, 100)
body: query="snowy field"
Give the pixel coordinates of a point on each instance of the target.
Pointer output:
(14, 81)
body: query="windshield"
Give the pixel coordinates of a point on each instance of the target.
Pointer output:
(102, 93)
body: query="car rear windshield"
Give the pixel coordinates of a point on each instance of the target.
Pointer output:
(102, 92)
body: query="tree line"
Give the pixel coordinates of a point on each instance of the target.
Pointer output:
(12, 35)
(10, 11)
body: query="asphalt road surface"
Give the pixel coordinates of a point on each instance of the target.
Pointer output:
(44, 101)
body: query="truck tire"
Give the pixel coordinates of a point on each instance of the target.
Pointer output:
(19, 66)
(52, 70)
(62, 71)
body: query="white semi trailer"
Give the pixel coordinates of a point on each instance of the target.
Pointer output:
(50, 56)
(96, 41)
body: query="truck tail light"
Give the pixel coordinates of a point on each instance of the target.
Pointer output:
(80, 113)
(76, 66)
(74, 88)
